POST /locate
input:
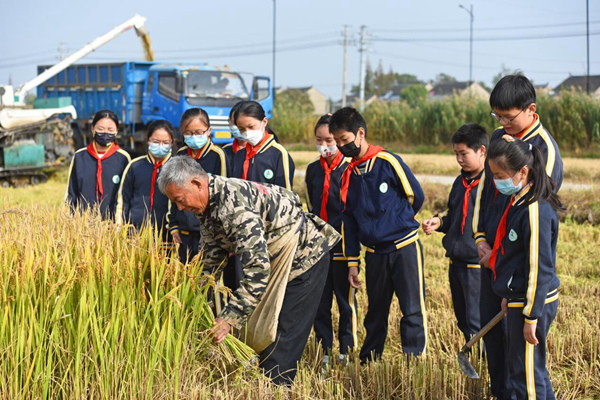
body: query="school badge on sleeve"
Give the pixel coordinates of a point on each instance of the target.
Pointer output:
(268, 173)
(512, 235)
(383, 188)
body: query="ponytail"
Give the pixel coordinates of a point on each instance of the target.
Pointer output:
(542, 186)
(513, 154)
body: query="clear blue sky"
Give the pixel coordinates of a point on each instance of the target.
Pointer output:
(239, 33)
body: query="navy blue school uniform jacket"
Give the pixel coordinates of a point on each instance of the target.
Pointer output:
(81, 187)
(381, 205)
(314, 182)
(272, 164)
(134, 205)
(527, 269)
(214, 161)
(490, 204)
(230, 150)
(458, 240)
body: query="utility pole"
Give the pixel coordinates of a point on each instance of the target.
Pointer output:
(274, 39)
(587, 22)
(363, 65)
(470, 11)
(62, 51)
(345, 72)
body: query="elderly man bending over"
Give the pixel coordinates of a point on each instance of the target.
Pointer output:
(284, 253)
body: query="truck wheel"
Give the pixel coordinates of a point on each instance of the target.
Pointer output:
(37, 179)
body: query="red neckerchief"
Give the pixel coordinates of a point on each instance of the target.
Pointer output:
(157, 165)
(235, 146)
(251, 152)
(112, 149)
(500, 233)
(200, 151)
(524, 131)
(327, 169)
(372, 151)
(465, 207)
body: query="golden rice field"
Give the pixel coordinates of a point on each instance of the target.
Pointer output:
(88, 312)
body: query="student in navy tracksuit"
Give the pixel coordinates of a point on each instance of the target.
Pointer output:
(470, 144)
(140, 201)
(381, 197)
(183, 225)
(523, 261)
(95, 172)
(513, 101)
(263, 159)
(322, 188)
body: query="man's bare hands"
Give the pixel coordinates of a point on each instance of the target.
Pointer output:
(220, 330)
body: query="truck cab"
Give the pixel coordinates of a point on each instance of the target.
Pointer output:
(171, 89)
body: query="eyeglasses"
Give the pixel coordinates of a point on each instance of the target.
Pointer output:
(501, 119)
(196, 132)
(164, 143)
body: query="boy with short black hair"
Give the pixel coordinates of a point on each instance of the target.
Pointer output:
(380, 197)
(470, 144)
(513, 106)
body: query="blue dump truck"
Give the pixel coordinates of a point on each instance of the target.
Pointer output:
(141, 92)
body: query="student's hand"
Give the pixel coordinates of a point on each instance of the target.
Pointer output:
(484, 250)
(529, 333)
(353, 277)
(176, 237)
(430, 225)
(485, 261)
(220, 330)
(505, 306)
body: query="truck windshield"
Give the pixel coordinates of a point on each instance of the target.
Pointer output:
(215, 85)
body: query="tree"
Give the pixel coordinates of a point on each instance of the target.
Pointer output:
(505, 71)
(30, 98)
(414, 95)
(296, 100)
(377, 82)
(383, 82)
(407, 78)
(444, 78)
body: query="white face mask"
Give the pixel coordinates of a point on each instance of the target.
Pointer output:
(253, 136)
(327, 151)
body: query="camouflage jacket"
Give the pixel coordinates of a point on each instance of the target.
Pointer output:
(243, 218)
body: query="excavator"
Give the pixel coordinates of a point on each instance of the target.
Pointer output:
(35, 138)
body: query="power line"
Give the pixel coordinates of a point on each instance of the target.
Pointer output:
(27, 63)
(488, 39)
(500, 28)
(263, 51)
(20, 57)
(438, 62)
(250, 45)
(266, 50)
(446, 48)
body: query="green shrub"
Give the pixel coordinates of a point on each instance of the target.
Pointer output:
(573, 120)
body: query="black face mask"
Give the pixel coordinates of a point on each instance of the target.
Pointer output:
(349, 149)
(104, 139)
